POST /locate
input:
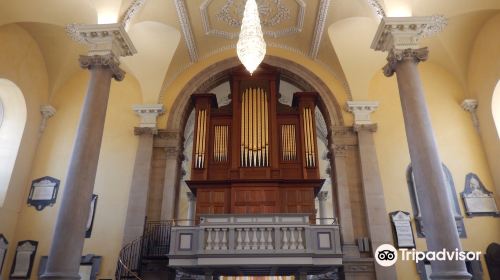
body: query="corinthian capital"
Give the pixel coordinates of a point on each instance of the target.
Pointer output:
(397, 55)
(107, 60)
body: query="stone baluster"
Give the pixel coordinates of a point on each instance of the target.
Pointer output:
(400, 37)
(293, 241)
(224, 239)
(107, 42)
(285, 244)
(255, 244)
(239, 240)
(270, 238)
(209, 239)
(300, 241)
(246, 234)
(216, 244)
(262, 239)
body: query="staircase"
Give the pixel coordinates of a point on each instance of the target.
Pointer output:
(148, 252)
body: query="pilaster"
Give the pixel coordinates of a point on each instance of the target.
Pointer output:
(173, 153)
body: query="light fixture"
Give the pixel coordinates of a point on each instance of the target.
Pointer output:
(251, 47)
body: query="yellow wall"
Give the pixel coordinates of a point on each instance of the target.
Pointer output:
(113, 175)
(22, 63)
(459, 146)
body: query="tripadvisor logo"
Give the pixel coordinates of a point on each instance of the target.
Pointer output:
(386, 255)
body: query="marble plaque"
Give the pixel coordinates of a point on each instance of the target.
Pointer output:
(23, 261)
(402, 229)
(478, 201)
(43, 192)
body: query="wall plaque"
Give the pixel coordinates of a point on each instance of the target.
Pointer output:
(23, 260)
(43, 192)
(478, 201)
(403, 232)
(90, 221)
(4, 244)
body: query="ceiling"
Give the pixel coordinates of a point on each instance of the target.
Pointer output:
(172, 35)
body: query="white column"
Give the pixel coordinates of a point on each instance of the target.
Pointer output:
(191, 207)
(400, 36)
(322, 196)
(138, 197)
(379, 227)
(107, 43)
(470, 105)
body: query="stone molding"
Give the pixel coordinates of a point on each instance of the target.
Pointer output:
(366, 127)
(132, 10)
(145, 130)
(102, 39)
(405, 32)
(108, 60)
(319, 28)
(47, 112)
(395, 56)
(148, 114)
(361, 111)
(187, 30)
(377, 8)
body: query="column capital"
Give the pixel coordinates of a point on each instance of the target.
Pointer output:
(191, 197)
(106, 42)
(47, 112)
(361, 111)
(148, 114)
(405, 32)
(322, 195)
(470, 105)
(397, 55)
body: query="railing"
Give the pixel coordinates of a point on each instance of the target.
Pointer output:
(153, 244)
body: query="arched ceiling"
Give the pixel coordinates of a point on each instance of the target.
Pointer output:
(172, 35)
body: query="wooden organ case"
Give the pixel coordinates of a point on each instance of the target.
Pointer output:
(255, 155)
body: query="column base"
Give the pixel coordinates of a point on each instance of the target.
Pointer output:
(455, 275)
(59, 276)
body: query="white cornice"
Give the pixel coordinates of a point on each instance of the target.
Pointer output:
(361, 111)
(187, 30)
(405, 32)
(319, 28)
(148, 113)
(102, 39)
(377, 8)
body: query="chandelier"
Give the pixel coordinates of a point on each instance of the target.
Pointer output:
(251, 47)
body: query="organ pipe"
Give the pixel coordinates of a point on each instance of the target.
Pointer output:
(201, 125)
(288, 143)
(221, 133)
(254, 128)
(310, 153)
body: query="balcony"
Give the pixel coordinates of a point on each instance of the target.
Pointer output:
(261, 244)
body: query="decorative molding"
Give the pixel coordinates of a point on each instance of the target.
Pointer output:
(377, 8)
(361, 111)
(148, 114)
(226, 16)
(130, 13)
(405, 32)
(107, 60)
(102, 39)
(365, 127)
(47, 112)
(230, 10)
(145, 130)
(395, 56)
(319, 28)
(187, 30)
(470, 105)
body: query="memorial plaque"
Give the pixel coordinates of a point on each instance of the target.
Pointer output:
(90, 221)
(4, 244)
(43, 192)
(478, 201)
(23, 261)
(402, 229)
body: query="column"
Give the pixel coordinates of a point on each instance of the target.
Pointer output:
(470, 105)
(171, 183)
(191, 208)
(138, 197)
(339, 151)
(400, 36)
(107, 42)
(322, 195)
(379, 228)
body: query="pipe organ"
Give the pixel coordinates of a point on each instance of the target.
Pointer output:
(255, 155)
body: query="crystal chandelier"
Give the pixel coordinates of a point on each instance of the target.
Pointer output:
(251, 47)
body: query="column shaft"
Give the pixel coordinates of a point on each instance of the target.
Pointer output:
(170, 184)
(191, 208)
(69, 235)
(322, 196)
(379, 227)
(138, 198)
(440, 227)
